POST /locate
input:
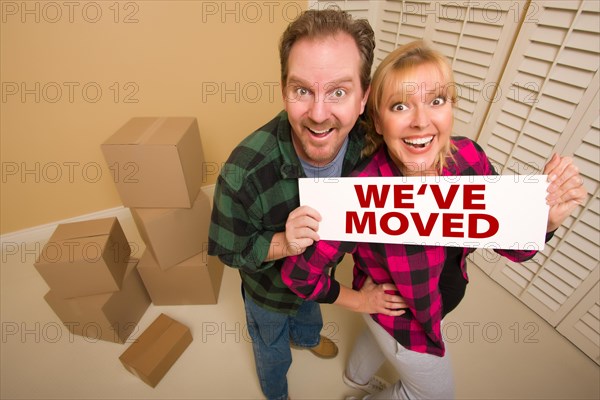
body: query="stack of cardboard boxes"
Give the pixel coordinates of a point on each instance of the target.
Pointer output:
(95, 288)
(158, 173)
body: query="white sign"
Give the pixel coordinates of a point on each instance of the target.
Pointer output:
(497, 211)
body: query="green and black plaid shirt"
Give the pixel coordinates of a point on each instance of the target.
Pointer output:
(256, 190)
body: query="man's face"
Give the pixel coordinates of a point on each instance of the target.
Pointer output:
(323, 95)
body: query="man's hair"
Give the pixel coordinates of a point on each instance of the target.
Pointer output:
(312, 24)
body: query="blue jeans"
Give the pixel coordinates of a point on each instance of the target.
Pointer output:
(271, 333)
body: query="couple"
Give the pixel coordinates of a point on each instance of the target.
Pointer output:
(258, 227)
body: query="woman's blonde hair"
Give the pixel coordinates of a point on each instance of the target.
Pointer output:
(391, 75)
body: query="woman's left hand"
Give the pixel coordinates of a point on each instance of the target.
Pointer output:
(566, 190)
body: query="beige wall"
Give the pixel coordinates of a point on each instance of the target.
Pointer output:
(74, 72)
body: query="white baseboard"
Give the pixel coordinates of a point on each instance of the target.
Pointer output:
(41, 233)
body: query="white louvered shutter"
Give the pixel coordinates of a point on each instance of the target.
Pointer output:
(475, 35)
(399, 22)
(550, 103)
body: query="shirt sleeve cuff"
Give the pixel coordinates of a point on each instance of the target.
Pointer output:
(549, 235)
(332, 294)
(260, 249)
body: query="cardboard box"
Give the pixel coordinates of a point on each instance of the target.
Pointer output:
(111, 316)
(156, 162)
(85, 258)
(174, 234)
(196, 280)
(157, 349)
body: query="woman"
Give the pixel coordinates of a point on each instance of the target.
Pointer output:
(410, 117)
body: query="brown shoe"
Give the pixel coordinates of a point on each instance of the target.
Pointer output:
(325, 349)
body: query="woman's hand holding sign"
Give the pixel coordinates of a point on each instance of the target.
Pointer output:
(566, 190)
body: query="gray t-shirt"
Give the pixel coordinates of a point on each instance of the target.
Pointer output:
(331, 170)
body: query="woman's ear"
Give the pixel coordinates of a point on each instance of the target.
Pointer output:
(377, 126)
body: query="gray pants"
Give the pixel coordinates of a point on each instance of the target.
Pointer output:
(422, 376)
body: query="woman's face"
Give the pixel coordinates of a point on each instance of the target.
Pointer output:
(415, 119)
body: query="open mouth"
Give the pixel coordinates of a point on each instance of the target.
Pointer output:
(419, 143)
(320, 133)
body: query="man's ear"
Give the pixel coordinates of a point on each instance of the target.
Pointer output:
(363, 101)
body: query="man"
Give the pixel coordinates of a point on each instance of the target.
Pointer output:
(326, 60)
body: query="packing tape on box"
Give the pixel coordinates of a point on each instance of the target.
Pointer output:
(151, 130)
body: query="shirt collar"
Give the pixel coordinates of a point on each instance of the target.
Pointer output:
(290, 166)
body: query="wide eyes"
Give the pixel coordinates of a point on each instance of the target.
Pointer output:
(337, 93)
(438, 101)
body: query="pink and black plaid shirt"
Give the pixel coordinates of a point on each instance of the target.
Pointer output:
(414, 270)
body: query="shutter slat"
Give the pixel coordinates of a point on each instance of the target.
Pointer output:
(588, 22)
(556, 276)
(583, 259)
(553, 121)
(541, 133)
(483, 30)
(471, 69)
(543, 296)
(579, 59)
(588, 41)
(516, 108)
(563, 91)
(549, 290)
(549, 35)
(556, 106)
(558, 18)
(515, 277)
(574, 77)
(576, 272)
(542, 51)
(536, 67)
